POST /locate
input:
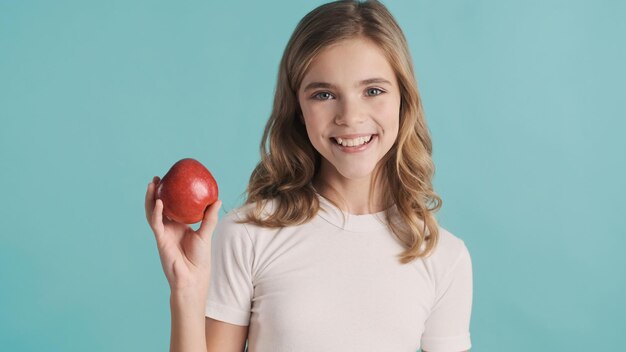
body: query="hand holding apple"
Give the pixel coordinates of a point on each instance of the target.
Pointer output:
(185, 253)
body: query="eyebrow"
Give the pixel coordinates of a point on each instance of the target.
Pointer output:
(364, 82)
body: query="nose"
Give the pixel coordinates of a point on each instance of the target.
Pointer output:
(350, 112)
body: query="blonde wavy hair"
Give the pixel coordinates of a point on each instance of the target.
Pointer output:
(289, 162)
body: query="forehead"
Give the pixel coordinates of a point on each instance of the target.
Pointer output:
(348, 62)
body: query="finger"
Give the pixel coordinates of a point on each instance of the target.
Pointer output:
(210, 220)
(149, 201)
(157, 219)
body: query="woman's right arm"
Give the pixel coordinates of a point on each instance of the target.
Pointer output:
(190, 326)
(188, 322)
(221, 336)
(186, 260)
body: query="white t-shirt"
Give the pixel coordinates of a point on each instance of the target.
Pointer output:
(330, 285)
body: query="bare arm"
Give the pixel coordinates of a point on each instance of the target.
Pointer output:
(192, 331)
(225, 337)
(188, 322)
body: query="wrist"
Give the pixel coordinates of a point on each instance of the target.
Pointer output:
(189, 304)
(189, 293)
(196, 280)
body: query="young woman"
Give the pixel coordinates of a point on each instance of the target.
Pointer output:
(336, 247)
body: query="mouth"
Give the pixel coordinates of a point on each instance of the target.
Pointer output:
(353, 142)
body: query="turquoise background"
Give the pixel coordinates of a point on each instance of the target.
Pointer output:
(524, 99)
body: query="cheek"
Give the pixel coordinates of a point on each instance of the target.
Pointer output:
(320, 111)
(388, 111)
(316, 117)
(314, 127)
(388, 106)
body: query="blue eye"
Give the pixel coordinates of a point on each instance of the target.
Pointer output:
(375, 89)
(320, 94)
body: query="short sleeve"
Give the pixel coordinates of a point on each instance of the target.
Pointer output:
(230, 286)
(447, 327)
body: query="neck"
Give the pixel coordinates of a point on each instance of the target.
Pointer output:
(351, 196)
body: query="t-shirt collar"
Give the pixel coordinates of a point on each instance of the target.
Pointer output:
(351, 222)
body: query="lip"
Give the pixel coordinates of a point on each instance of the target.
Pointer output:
(359, 148)
(352, 136)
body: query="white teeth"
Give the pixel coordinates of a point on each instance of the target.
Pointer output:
(353, 142)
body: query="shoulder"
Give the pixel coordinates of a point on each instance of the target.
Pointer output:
(449, 245)
(233, 221)
(268, 206)
(450, 252)
(230, 228)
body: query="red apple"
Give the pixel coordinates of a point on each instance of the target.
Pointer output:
(186, 190)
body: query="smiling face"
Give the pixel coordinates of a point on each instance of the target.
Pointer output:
(350, 93)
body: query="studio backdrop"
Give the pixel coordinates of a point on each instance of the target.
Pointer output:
(524, 101)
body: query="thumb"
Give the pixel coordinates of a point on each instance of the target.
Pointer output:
(209, 221)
